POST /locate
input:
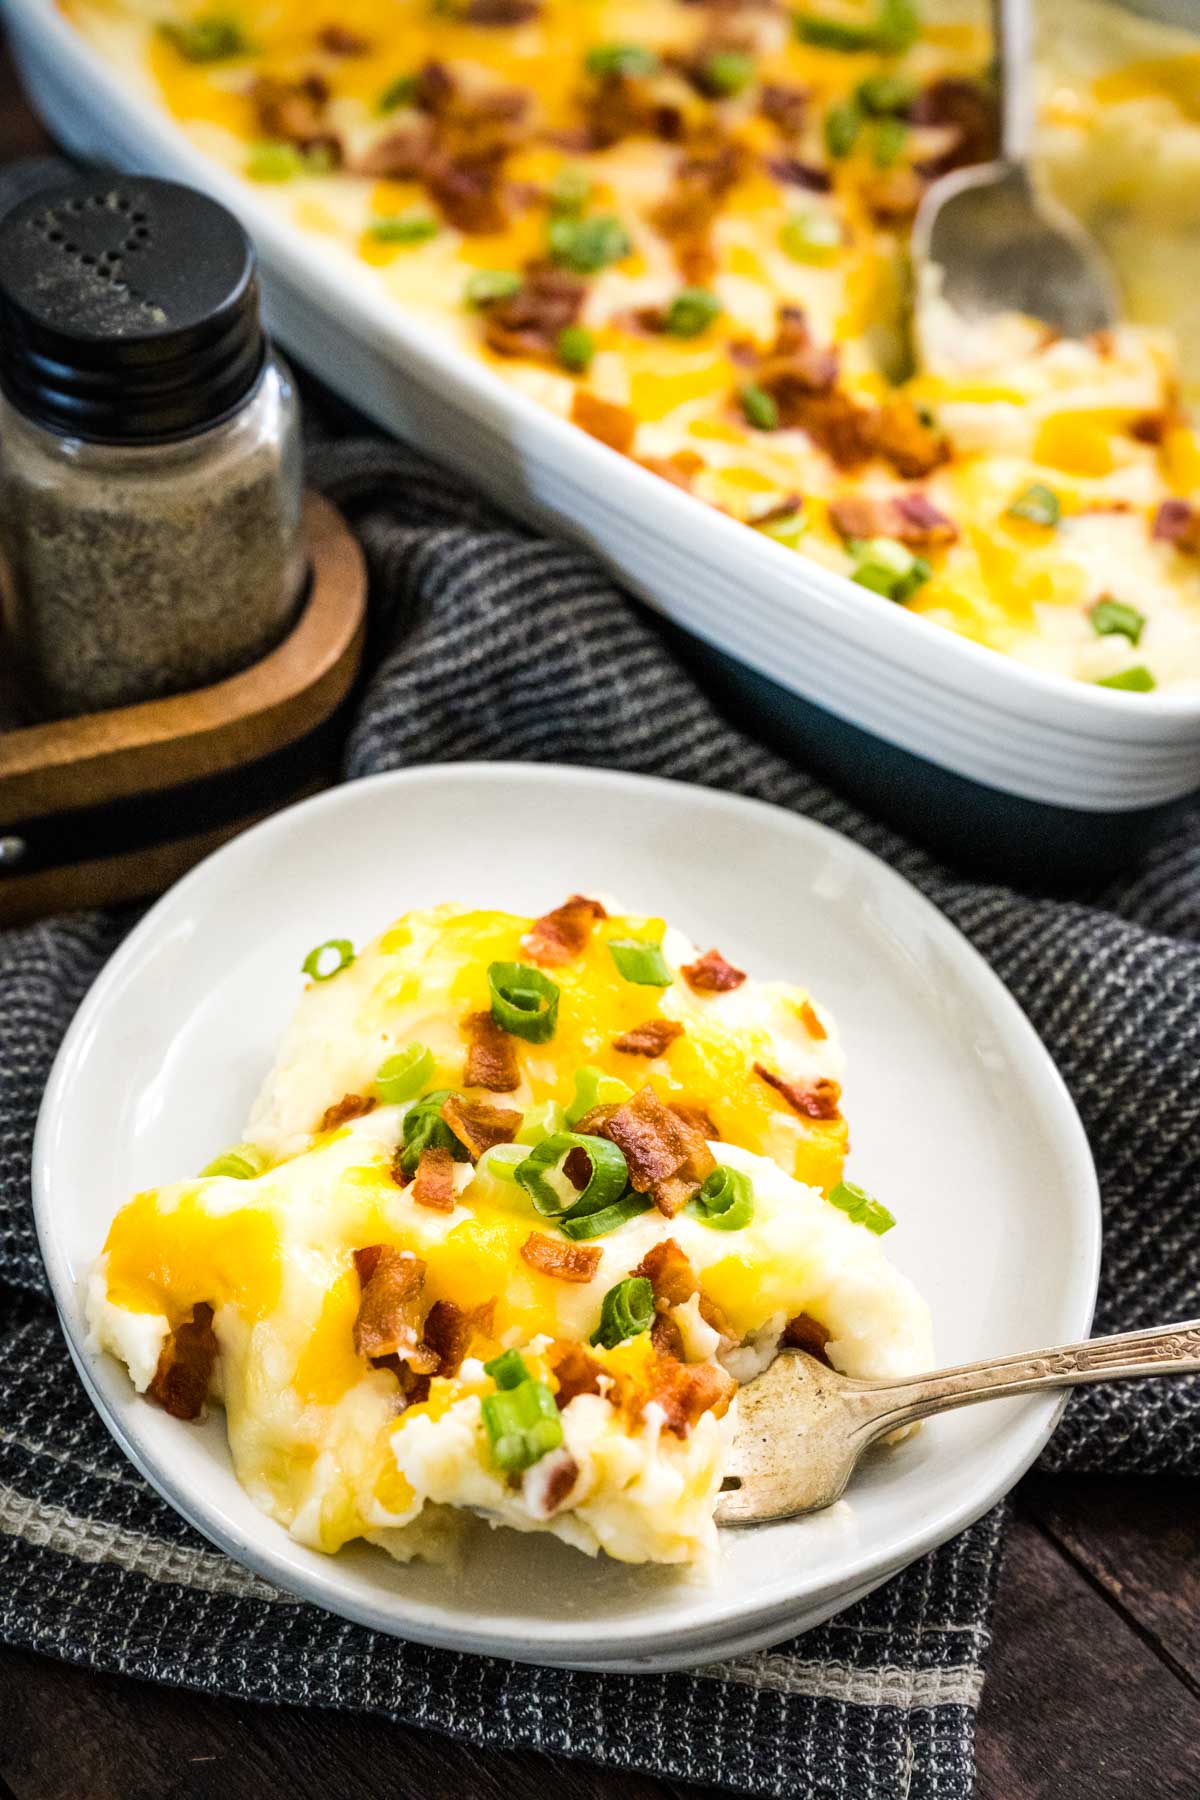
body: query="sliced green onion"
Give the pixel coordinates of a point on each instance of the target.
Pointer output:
(488, 286)
(861, 1207)
(524, 1001)
(214, 39)
(578, 1226)
(607, 1182)
(898, 25)
(406, 228)
(1039, 504)
(594, 1088)
(843, 123)
(620, 59)
(691, 312)
(1137, 680)
(401, 92)
(640, 961)
(316, 963)
(540, 1121)
(725, 1202)
(1113, 618)
(576, 347)
(884, 94)
(571, 189)
(401, 1077)
(832, 34)
(502, 1161)
(425, 1129)
(759, 408)
(811, 237)
(508, 1369)
(274, 162)
(241, 1163)
(587, 245)
(625, 1311)
(890, 138)
(786, 530)
(726, 73)
(889, 568)
(522, 1422)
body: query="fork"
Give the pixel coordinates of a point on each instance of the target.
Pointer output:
(802, 1427)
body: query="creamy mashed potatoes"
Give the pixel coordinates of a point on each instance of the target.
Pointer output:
(519, 1206)
(684, 227)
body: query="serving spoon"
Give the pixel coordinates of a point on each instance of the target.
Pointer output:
(1000, 244)
(802, 1427)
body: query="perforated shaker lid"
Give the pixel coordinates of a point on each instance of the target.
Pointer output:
(129, 310)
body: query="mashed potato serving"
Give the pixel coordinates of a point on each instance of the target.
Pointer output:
(520, 1205)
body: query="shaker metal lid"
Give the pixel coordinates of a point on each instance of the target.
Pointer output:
(129, 310)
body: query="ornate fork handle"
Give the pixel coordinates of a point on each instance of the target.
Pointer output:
(1167, 1350)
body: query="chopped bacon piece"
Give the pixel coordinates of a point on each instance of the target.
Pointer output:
(811, 1021)
(837, 424)
(893, 195)
(913, 448)
(500, 12)
(491, 1055)
(294, 112)
(819, 1100)
(650, 1038)
(577, 1167)
(350, 1106)
(967, 112)
(1152, 427)
(785, 106)
(594, 1123)
(448, 1332)
(479, 1125)
(794, 173)
(386, 1324)
(528, 323)
(912, 518)
(339, 40)
(557, 1257)
(434, 1183)
(677, 469)
(666, 1336)
(400, 155)
(685, 217)
(685, 1391)
(185, 1365)
(666, 1267)
(614, 425)
(469, 191)
(711, 974)
(667, 1155)
(549, 1483)
(696, 1118)
(576, 1371)
(806, 1333)
(559, 936)
(1178, 522)
(783, 508)
(796, 367)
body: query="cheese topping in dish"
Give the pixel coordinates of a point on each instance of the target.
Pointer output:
(520, 1204)
(683, 226)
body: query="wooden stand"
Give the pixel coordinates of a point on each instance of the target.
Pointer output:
(117, 805)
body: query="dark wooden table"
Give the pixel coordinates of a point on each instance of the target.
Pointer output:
(1093, 1694)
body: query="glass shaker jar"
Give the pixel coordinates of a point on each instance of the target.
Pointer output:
(150, 463)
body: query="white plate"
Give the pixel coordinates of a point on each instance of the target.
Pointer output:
(958, 1118)
(900, 676)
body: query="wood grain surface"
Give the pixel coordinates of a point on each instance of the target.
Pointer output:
(1093, 1693)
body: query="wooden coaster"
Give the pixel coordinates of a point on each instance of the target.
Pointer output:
(117, 805)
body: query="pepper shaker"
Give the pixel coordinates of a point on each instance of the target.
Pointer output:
(150, 461)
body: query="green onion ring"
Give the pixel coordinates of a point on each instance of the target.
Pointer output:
(241, 1163)
(725, 1202)
(598, 1224)
(524, 1001)
(608, 1181)
(594, 1088)
(625, 1311)
(401, 1077)
(311, 965)
(640, 961)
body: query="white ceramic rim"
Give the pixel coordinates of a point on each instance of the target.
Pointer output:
(890, 633)
(618, 1644)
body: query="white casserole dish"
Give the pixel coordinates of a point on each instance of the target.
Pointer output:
(1060, 775)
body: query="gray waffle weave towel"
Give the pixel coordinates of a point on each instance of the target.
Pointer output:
(491, 643)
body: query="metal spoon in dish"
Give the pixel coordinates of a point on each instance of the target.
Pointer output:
(802, 1427)
(997, 243)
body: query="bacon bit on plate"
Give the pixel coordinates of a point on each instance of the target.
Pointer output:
(500, 12)
(794, 173)
(294, 112)
(912, 518)
(1178, 522)
(711, 974)
(685, 1391)
(386, 1323)
(913, 448)
(554, 1256)
(966, 113)
(666, 1151)
(528, 322)
(892, 196)
(400, 155)
(491, 1055)
(666, 1267)
(783, 508)
(811, 1022)
(785, 106)
(339, 40)
(613, 425)
(479, 1125)
(594, 1123)
(818, 1100)
(185, 1365)
(560, 936)
(648, 1039)
(678, 468)
(350, 1106)
(434, 1183)
(575, 1370)
(806, 1333)
(448, 1332)
(1152, 427)
(548, 1484)
(686, 216)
